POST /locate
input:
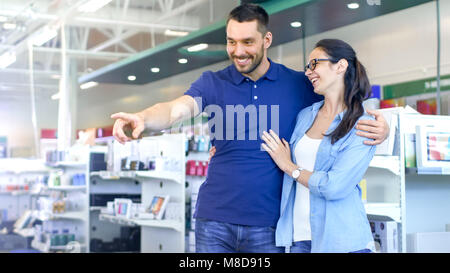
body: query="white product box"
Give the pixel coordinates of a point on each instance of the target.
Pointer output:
(428, 242)
(391, 116)
(385, 234)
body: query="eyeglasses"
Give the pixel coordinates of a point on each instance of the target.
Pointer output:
(312, 64)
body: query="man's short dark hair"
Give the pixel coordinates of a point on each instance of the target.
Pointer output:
(249, 12)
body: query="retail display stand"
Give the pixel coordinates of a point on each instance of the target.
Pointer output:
(385, 185)
(65, 224)
(167, 179)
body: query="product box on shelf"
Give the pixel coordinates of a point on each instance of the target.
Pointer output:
(391, 117)
(385, 235)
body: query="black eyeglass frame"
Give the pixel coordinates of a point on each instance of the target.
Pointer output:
(313, 63)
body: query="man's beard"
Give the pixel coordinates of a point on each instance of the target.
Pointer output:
(256, 63)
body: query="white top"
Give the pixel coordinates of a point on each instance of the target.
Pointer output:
(305, 154)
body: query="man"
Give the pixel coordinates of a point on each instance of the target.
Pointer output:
(238, 204)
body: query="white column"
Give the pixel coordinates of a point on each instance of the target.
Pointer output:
(68, 88)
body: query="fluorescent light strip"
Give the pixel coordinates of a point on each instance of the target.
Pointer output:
(43, 36)
(174, 33)
(88, 85)
(55, 96)
(6, 59)
(9, 26)
(198, 47)
(93, 5)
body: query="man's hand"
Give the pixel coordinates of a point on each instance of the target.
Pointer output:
(212, 152)
(126, 121)
(377, 129)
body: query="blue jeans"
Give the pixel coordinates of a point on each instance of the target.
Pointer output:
(218, 237)
(301, 247)
(305, 247)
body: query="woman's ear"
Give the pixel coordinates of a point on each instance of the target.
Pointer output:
(342, 65)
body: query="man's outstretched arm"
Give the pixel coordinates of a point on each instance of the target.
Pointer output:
(155, 118)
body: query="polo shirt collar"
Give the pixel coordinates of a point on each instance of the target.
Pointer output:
(271, 74)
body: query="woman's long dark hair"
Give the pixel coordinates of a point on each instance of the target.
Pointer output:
(357, 86)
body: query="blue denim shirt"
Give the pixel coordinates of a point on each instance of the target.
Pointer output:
(338, 219)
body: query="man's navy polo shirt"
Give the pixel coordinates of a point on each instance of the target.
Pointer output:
(243, 185)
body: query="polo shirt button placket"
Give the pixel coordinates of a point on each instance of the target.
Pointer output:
(255, 97)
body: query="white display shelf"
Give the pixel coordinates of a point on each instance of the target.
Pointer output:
(15, 193)
(45, 247)
(67, 164)
(390, 163)
(117, 220)
(392, 210)
(26, 232)
(171, 224)
(67, 188)
(42, 247)
(20, 172)
(72, 215)
(162, 175)
(95, 208)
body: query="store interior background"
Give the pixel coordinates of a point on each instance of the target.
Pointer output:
(395, 48)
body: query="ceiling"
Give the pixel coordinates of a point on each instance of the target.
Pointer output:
(315, 15)
(118, 30)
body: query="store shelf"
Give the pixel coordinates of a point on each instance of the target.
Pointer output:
(26, 232)
(95, 208)
(67, 188)
(45, 247)
(14, 193)
(160, 175)
(170, 176)
(71, 215)
(67, 164)
(427, 171)
(172, 224)
(392, 210)
(390, 163)
(178, 226)
(117, 220)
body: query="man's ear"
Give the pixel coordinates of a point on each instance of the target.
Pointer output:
(267, 40)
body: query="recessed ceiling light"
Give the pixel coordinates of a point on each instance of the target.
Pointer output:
(155, 69)
(296, 24)
(9, 26)
(182, 61)
(174, 33)
(88, 85)
(198, 47)
(44, 35)
(7, 58)
(93, 5)
(353, 5)
(55, 96)
(131, 77)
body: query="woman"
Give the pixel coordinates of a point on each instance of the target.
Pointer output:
(321, 207)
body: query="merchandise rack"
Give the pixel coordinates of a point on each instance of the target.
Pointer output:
(77, 219)
(386, 188)
(156, 235)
